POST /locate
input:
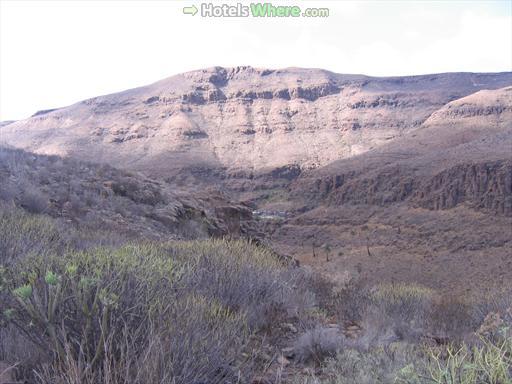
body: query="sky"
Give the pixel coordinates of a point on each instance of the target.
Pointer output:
(56, 53)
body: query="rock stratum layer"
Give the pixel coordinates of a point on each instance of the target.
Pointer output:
(249, 119)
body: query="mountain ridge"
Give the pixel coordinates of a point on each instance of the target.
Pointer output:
(258, 109)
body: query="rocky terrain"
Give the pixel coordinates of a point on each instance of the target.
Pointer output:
(398, 178)
(246, 119)
(103, 198)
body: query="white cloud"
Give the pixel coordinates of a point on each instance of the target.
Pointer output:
(53, 53)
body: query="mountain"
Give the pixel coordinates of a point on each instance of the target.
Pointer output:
(244, 118)
(403, 177)
(452, 148)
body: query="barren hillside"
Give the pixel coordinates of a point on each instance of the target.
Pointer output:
(245, 119)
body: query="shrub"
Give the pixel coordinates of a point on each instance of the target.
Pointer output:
(22, 234)
(243, 277)
(175, 312)
(33, 200)
(404, 363)
(105, 309)
(353, 301)
(397, 311)
(490, 363)
(492, 302)
(375, 366)
(452, 317)
(407, 301)
(79, 290)
(195, 341)
(318, 343)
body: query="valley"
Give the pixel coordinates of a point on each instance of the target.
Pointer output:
(393, 164)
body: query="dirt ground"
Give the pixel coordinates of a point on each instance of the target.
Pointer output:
(454, 251)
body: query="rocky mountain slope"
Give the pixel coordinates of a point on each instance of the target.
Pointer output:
(103, 198)
(433, 206)
(416, 170)
(245, 119)
(462, 152)
(465, 145)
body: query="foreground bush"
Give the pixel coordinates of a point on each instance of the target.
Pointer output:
(490, 362)
(179, 312)
(397, 346)
(22, 234)
(396, 312)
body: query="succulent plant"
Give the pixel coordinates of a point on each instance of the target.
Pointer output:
(51, 278)
(24, 292)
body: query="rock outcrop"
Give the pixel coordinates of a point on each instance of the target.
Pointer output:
(482, 186)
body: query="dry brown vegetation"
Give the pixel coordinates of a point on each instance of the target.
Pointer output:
(100, 197)
(140, 313)
(82, 302)
(212, 310)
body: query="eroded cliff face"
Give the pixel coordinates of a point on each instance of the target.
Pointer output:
(485, 186)
(481, 186)
(462, 154)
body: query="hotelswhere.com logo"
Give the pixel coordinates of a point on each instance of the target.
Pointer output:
(254, 10)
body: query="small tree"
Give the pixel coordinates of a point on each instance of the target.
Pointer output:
(327, 249)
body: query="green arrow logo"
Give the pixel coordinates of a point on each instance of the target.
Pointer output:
(190, 10)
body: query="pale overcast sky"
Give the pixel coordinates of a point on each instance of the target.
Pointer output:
(55, 53)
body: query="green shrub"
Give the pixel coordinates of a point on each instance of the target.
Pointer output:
(489, 363)
(174, 312)
(22, 234)
(395, 312)
(405, 300)
(379, 365)
(243, 277)
(81, 298)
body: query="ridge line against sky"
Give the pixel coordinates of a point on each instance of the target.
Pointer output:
(55, 53)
